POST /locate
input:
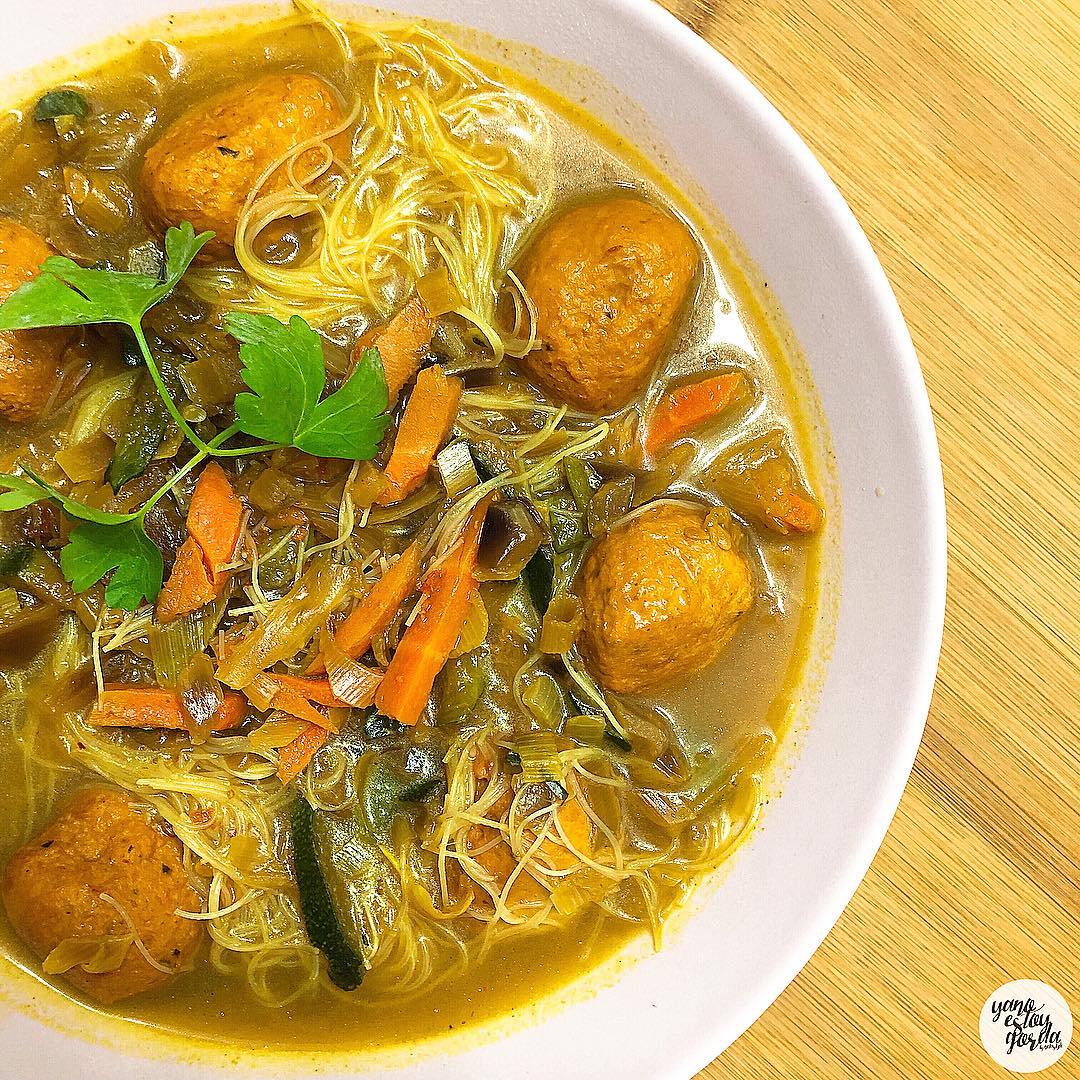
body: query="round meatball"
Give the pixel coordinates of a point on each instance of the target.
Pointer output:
(662, 593)
(52, 889)
(608, 280)
(207, 162)
(29, 359)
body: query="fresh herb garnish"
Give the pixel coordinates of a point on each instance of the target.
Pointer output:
(59, 103)
(283, 366)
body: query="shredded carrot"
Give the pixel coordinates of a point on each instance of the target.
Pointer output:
(684, 408)
(214, 521)
(156, 709)
(373, 614)
(294, 757)
(189, 586)
(401, 344)
(429, 415)
(428, 642)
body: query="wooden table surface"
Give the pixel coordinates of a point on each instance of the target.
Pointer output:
(952, 127)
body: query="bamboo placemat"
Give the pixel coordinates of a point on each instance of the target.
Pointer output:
(952, 127)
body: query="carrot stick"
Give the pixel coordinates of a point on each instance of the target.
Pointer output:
(292, 701)
(429, 414)
(294, 757)
(428, 642)
(156, 709)
(189, 586)
(401, 344)
(214, 519)
(373, 614)
(685, 407)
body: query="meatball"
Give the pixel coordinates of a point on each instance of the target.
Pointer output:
(608, 280)
(29, 359)
(207, 162)
(52, 889)
(662, 593)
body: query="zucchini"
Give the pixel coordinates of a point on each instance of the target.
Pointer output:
(345, 967)
(539, 576)
(144, 431)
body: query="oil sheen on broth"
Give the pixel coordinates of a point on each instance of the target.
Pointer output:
(691, 784)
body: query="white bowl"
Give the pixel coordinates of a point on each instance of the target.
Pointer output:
(670, 1013)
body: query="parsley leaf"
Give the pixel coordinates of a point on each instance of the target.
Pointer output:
(17, 492)
(283, 365)
(66, 294)
(350, 423)
(93, 550)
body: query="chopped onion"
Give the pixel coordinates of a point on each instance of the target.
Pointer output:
(586, 729)
(562, 624)
(544, 699)
(86, 460)
(540, 762)
(475, 628)
(438, 293)
(200, 693)
(350, 681)
(456, 468)
(97, 401)
(173, 647)
(276, 733)
(9, 603)
(95, 955)
(290, 623)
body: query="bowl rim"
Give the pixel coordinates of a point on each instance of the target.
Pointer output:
(849, 872)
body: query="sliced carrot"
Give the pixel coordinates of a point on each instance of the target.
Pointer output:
(189, 586)
(373, 614)
(214, 519)
(428, 642)
(401, 344)
(294, 757)
(429, 415)
(314, 690)
(684, 408)
(156, 709)
(290, 700)
(798, 512)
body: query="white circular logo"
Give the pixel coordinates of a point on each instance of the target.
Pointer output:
(1025, 1026)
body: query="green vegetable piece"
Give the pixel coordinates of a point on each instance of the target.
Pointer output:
(583, 480)
(284, 367)
(14, 559)
(566, 522)
(539, 577)
(588, 709)
(66, 294)
(94, 550)
(377, 726)
(461, 685)
(58, 103)
(17, 492)
(344, 965)
(138, 442)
